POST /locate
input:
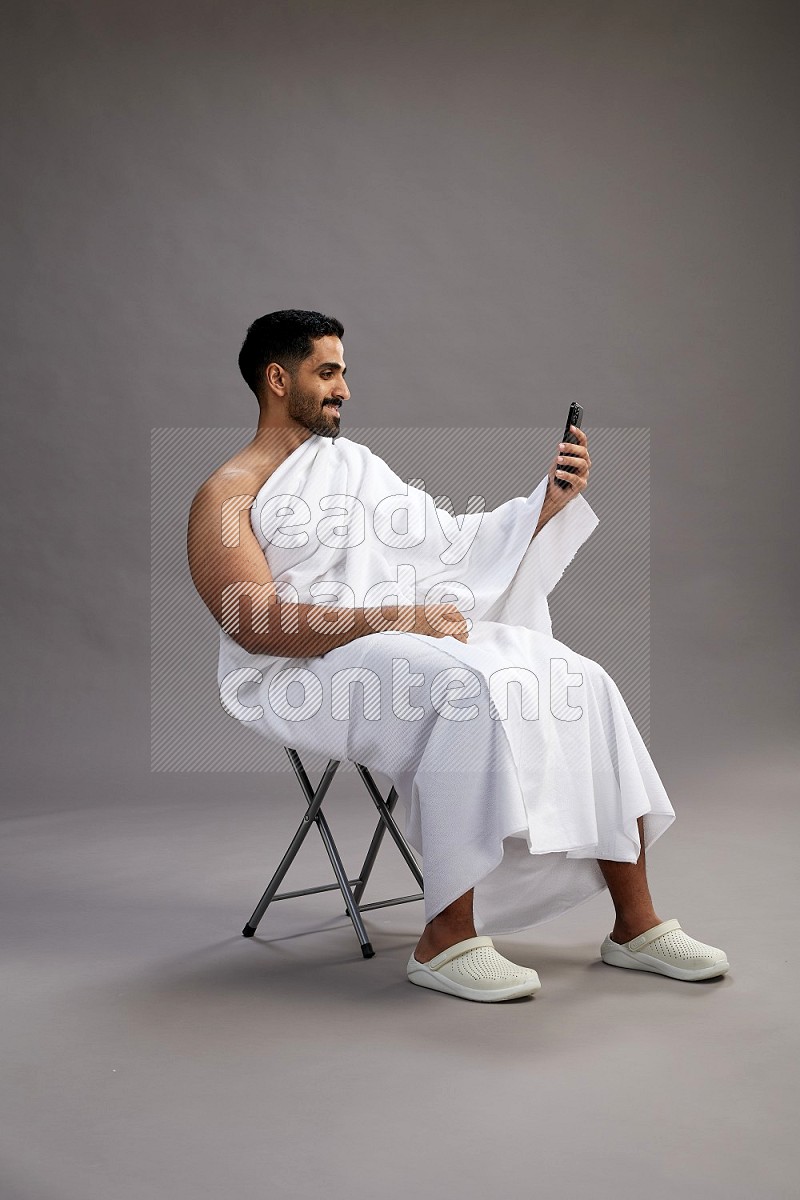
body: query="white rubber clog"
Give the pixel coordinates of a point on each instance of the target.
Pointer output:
(473, 970)
(667, 950)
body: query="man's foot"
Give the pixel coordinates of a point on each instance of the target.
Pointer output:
(473, 970)
(666, 950)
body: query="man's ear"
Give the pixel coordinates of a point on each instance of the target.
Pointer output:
(277, 378)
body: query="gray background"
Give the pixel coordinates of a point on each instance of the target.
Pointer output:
(509, 207)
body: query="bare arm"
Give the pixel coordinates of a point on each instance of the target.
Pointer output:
(231, 574)
(549, 509)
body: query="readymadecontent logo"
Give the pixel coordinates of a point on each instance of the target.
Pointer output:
(603, 609)
(298, 694)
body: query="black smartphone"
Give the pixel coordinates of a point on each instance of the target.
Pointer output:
(574, 417)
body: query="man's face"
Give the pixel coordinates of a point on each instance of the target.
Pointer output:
(318, 389)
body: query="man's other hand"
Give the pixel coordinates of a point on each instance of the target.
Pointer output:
(434, 620)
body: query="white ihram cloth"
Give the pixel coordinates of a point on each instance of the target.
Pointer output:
(519, 809)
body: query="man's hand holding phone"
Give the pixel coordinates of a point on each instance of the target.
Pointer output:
(569, 471)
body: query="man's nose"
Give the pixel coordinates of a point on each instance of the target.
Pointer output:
(342, 391)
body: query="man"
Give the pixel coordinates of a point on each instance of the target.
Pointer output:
(518, 817)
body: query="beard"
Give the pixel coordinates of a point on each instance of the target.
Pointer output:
(307, 410)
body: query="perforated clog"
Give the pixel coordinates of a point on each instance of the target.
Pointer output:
(667, 950)
(473, 970)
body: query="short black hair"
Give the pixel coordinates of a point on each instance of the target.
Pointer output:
(283, 337)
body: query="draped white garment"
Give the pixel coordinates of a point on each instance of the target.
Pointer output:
(515, 800)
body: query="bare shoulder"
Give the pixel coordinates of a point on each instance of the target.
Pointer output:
(221, 546)
(242, 475)
(220, 510)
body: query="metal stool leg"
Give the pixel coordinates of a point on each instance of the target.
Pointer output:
(314, 799)
(352, 906)
(336, 861)
(385, 813)
(372, 854)
(314, 805)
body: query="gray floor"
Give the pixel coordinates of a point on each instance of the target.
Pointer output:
(151, 1051)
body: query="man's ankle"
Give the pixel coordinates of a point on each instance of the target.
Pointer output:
(626, 931)
(435, 939)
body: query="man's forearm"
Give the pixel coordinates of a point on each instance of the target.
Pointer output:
(549, 509)
(308, 630)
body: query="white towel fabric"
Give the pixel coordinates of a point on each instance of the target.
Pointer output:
(515, 801)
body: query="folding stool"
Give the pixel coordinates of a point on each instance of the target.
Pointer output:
(314, 815)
